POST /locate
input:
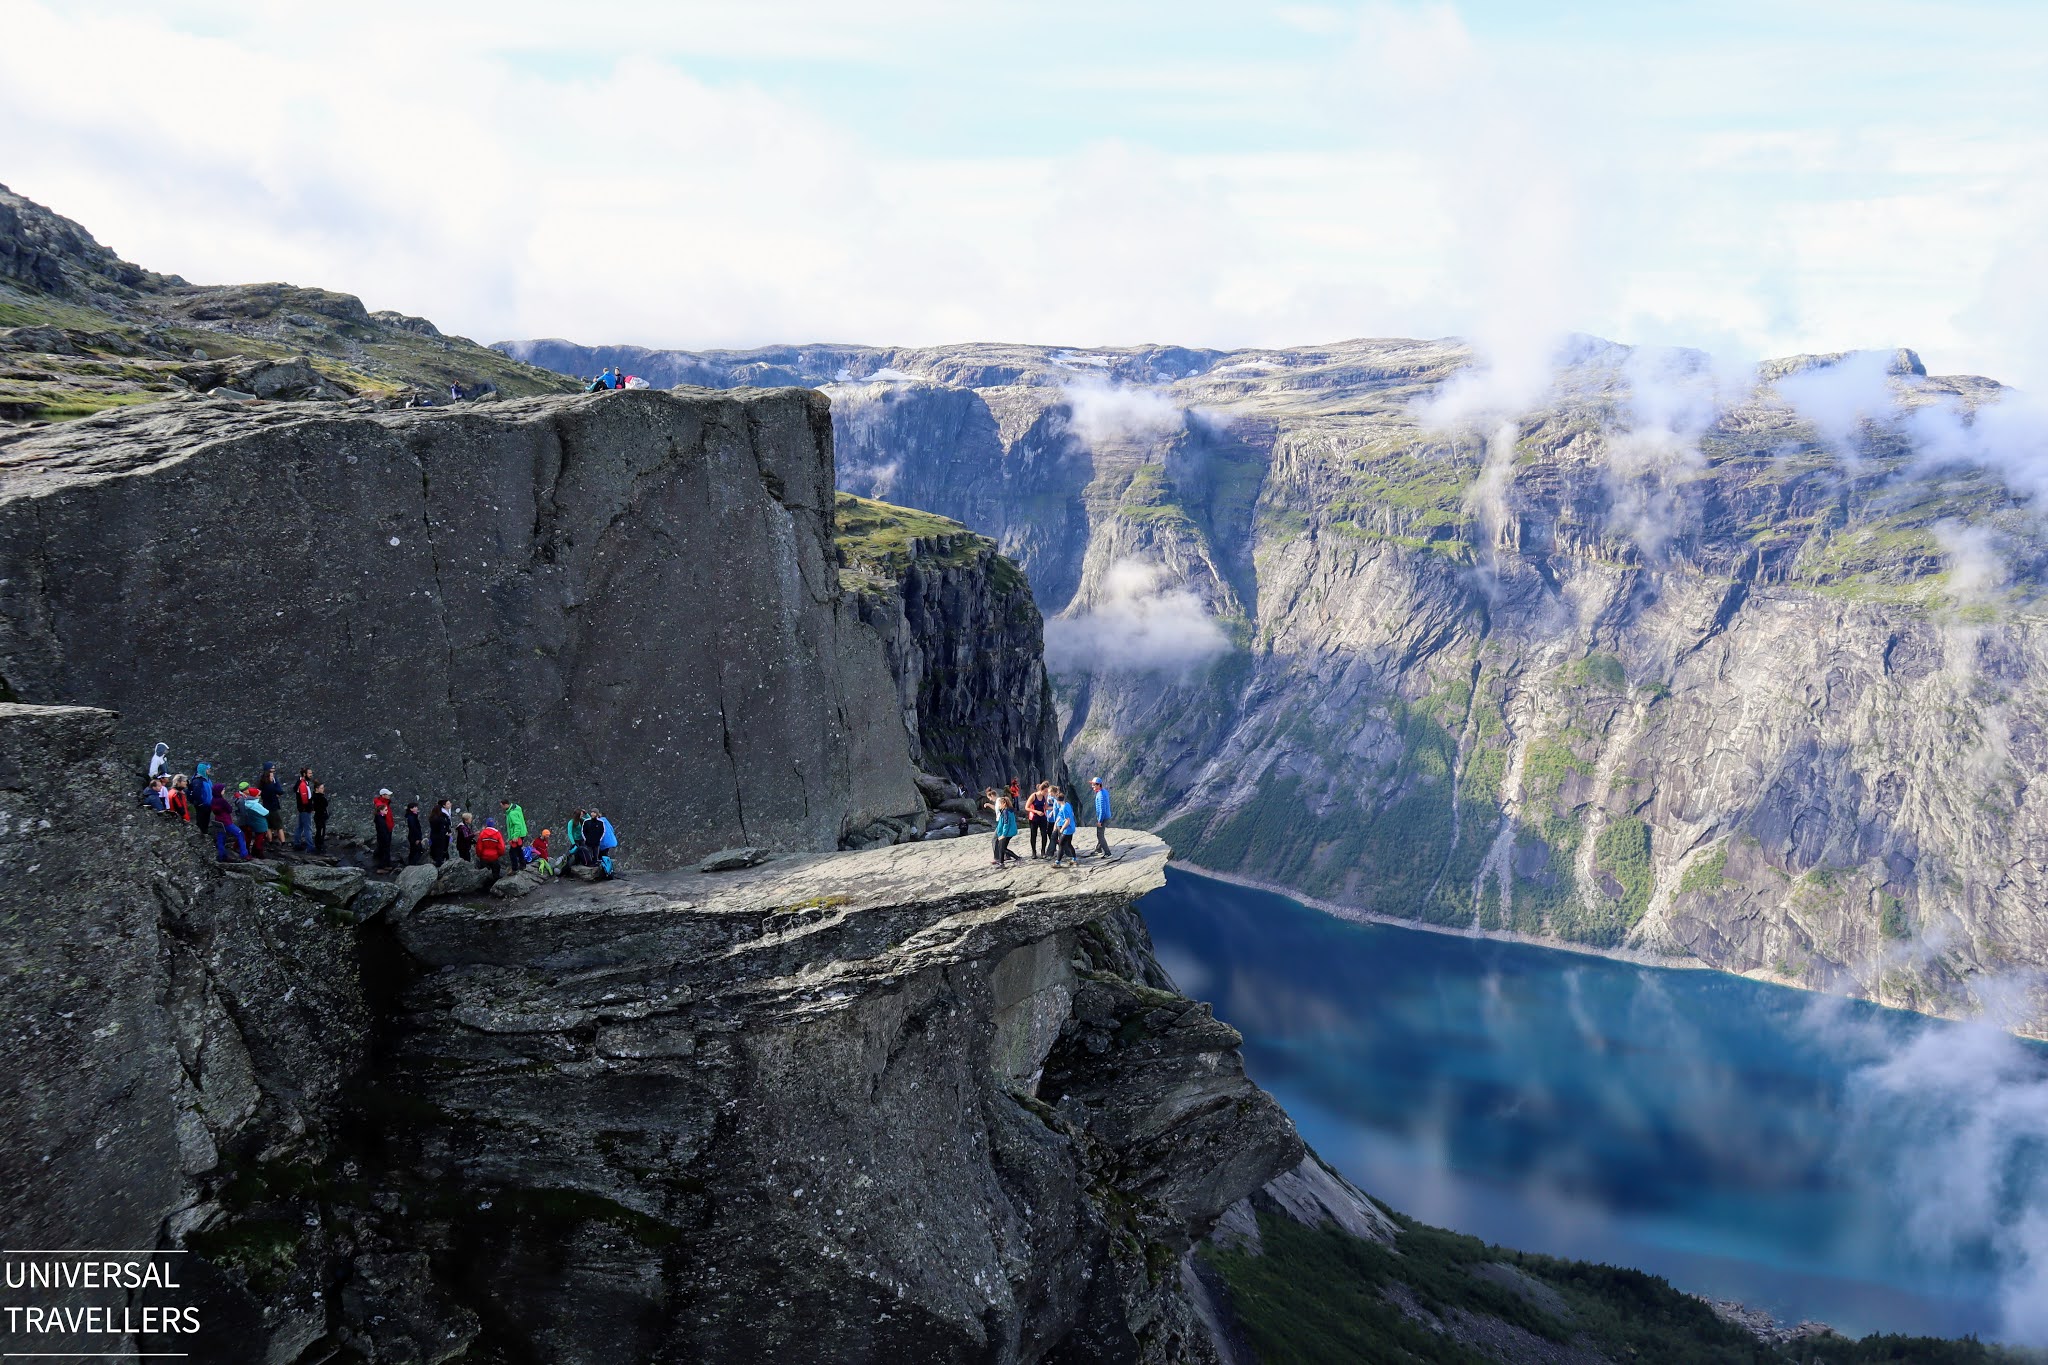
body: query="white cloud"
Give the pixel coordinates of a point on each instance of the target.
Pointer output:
(1962, 1112)
(710, 174)
(1137, 623)
(1112, 414)
(1838, 398)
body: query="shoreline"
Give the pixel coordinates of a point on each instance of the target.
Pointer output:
(1635, 957)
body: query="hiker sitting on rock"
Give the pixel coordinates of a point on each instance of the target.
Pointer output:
(155, 796)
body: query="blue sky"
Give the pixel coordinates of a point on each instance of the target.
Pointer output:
(1753, 178)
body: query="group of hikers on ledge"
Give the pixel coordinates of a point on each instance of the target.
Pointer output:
(1051, 818)
(247, 820)
(612, 379)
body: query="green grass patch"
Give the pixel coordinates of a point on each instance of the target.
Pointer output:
(1706, 873)
(1319, 1296)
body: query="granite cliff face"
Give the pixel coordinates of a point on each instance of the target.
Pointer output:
(891, 1105)
(630, 600)
(963, 638)
(1751, 676)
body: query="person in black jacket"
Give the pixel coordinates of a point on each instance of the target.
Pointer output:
(319, 817)
(272, 792)
(415, 840)
(441, 826)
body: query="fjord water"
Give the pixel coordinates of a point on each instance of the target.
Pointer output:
(1819, 1158)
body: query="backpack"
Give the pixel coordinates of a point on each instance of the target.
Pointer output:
(605, 862)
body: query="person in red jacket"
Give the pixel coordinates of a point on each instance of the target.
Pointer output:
(380, 814)
(490, 845)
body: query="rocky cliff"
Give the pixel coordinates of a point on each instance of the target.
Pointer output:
(964, 640)
(628, 600)
(1749, 674)
(893, 1105)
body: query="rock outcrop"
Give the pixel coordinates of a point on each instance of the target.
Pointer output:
(99, 331)
(1707, 682)
(626, 600)
(891, 1105)
(964, 640)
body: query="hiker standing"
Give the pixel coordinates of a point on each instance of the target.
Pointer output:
(465, 835)
(515, 820)
(1006, 830)
(272, 792)
(1034, 815)
(380, 815)
(179, 802)
(319, 817)
(440, 828)
(1063, 830)
(254, 818)
(415, 837)
(576, 836)
(607, 843)
(1101, 818)
(490, 845)
(302, 804)
(200, 794)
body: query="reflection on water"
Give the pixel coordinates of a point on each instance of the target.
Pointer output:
(1820, 1158)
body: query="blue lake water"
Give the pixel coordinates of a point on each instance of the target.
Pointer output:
(1820, 1158)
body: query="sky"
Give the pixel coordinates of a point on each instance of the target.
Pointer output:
(1757, 179)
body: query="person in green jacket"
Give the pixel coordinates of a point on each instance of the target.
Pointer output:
(515, 821)
(575, 854)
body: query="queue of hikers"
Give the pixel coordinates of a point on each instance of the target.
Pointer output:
(247, 820)
(1052, 819)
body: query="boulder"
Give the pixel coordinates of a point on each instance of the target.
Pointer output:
(518, 884)
(373, 900)
(461, 877)
(414, 884)
(961, 805)
(332, 885)
(934, 789)
(733, 859)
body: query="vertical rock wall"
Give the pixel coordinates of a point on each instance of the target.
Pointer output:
(627, 600)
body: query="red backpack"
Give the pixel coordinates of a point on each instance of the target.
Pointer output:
(490, 845)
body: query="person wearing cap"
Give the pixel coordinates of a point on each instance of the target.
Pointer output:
(380, 815)
(1101, 818)
(254, 816)
(415, 836)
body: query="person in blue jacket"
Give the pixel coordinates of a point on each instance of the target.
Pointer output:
(1063, 854)
(1101, 818)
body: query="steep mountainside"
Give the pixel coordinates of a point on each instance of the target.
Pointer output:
(82, 330)
(1751, 673)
